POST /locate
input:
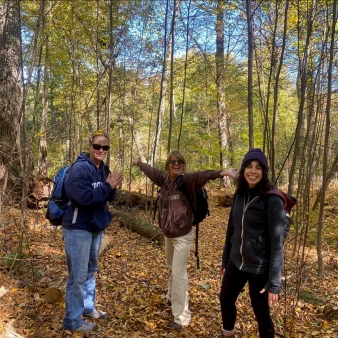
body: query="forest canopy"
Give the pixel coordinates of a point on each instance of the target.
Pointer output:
(211, 78)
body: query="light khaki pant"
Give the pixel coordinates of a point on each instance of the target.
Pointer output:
(177, 253)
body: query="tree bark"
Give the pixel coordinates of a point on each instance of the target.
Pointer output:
(220, 83)
(11, 95)
(140, 226)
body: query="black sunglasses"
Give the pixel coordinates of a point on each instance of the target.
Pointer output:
(98, 147)
(173, 162)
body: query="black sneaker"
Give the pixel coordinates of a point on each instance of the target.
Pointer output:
(175, 326)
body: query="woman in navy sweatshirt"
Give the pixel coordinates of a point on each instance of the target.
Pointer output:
(89, 185)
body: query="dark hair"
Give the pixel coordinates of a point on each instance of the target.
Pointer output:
(262, 186)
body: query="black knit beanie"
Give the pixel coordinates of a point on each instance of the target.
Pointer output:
(255, 154)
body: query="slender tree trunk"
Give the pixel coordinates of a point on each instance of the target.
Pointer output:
(302, 71)
(42, 162)
(184, 77)
(250, 58)
(171, 99)
(275, 96)
(326, 143)
(220, 83)
(113, 12)
(163, 91)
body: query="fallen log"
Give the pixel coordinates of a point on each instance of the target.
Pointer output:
(133, 200)
(140, 226)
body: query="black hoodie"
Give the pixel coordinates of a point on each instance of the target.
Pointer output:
(255, 236)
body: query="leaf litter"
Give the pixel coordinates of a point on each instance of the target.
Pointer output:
(132, 284)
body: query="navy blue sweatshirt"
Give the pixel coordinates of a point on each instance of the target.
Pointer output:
(88, 192)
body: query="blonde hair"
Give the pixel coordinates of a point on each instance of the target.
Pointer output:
(178, 155)
(97, 133)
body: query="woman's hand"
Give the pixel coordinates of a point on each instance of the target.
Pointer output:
(138, 158)
(221, 271)
(114, 180)
(231, 172)
(272, 297)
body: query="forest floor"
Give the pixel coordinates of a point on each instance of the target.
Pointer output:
(132, 283)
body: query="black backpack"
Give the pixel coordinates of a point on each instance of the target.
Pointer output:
(200, 210)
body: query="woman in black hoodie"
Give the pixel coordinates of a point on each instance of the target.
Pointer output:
(253, 250)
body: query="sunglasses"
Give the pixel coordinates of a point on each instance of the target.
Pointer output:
(98, 147)
(173, 162)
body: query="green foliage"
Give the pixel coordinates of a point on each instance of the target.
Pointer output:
(17, 264)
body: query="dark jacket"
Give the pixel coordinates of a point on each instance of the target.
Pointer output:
(175, 216)
(88, 192)
(255, 236)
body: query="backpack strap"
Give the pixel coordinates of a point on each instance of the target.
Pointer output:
(156, 202)
(288, 200)
(76, 209)
(181, 186)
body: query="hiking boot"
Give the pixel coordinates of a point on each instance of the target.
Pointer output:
(175, 326)
(87, 327)
(96, 314)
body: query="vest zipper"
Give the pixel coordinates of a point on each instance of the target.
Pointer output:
(244, 210)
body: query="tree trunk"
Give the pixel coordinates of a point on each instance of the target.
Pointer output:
(11, 95)
(140, 226)
(250, 57)
(326, 144)
(42, 163)
(220, 83)
(163, 92)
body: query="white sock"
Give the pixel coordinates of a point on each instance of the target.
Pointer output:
(228, 333)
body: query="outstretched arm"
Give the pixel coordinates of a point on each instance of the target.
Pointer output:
(231, 172)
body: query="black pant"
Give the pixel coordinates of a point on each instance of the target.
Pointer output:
(232, 284)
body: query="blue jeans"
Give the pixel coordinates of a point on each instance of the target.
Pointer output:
(82, 252)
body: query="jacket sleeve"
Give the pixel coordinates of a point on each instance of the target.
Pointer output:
(227, 245)
(194, 181)
(276, 225)
(81, 186)
(155, 175)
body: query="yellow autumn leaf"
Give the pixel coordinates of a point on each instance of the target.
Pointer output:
(151, 325)
(14, 290)
(326, 324)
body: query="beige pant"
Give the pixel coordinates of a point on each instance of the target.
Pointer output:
(177, 253)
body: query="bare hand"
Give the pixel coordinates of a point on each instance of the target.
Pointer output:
(114, 180)
(231, 172)
(221, 271)
(138, 158)
(272, 297)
